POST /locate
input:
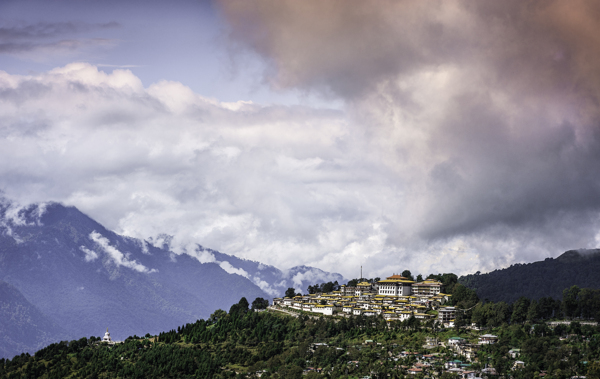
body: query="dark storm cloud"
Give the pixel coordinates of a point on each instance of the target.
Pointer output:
(348, 47)
(487, 112)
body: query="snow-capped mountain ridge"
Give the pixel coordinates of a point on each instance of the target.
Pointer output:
(86, 278)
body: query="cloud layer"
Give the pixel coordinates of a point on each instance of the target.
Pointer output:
(468, 139)
(485, 114)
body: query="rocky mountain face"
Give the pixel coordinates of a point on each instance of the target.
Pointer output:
(547, 278)
(72, 277)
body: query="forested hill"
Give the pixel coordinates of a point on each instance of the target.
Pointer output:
(547, 278)
(247, 344)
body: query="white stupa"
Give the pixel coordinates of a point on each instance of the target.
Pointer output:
(107, 338)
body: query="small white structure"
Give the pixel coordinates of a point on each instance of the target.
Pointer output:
(517, 365)
(324, 309)
(488, 339)
(453, 341)
(107, 338)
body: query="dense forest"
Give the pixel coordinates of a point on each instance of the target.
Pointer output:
(536, 280)
(248, 341)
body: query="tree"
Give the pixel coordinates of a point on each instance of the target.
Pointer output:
(217, 315)
(407, 274)
(329, 287)
(260, 303)
(290, 292)
(292, 372)
(570, 302)
(594, 371)
(240, 308)
(546, 307)
(243, 303)
(500, 315)
(533, 312)
(464, 297)
(520, 308)
(419, 278)
(459, 320)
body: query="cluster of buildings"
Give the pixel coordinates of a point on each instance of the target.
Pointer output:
(428, 363)
(396, 298)
(469, 350)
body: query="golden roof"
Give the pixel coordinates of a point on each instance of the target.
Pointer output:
(397, 277)
(396, 281)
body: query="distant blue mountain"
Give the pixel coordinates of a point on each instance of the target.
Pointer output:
(87, 278)
(84, 278)
(23, 327)
(273, 280)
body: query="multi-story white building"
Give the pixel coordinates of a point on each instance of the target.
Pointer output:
(395, 285)
(363, 288)
(427, 288)
(446, 314)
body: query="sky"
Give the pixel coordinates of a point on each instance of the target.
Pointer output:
(434, 136)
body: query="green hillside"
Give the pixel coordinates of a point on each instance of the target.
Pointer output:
(243, 343)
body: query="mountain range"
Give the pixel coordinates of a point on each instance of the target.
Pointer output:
(63, 276)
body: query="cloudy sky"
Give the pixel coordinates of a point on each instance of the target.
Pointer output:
(435, 136)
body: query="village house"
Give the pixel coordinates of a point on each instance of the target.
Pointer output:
(453, 364)
(488, 339)
(518, 365)
(431, 342)
(414, 371)
(467, 350)
(453, 341)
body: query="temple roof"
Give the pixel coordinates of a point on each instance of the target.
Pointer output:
(397, 277)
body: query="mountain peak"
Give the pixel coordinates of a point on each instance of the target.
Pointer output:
(578, 254)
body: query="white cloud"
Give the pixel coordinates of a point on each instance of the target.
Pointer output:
(90, 255)
(115, 255)
(230, 269)
(265, 286)
(233, 270)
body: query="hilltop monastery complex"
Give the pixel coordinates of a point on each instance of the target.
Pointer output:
(396, 297)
